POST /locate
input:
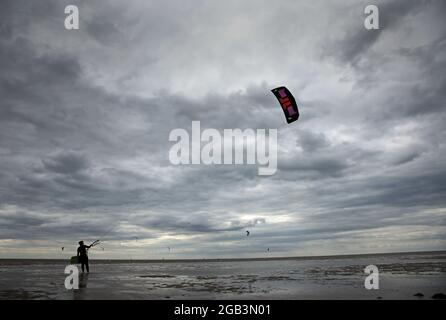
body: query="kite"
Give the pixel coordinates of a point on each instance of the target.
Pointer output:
(247, 233)
(288, 103)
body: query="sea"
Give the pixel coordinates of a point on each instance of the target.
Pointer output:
(418, 275)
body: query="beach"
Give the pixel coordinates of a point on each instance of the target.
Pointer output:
(401, 276)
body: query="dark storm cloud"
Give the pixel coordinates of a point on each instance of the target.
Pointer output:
(405, 191)
(321, 166)
(86, 115)
(428, 96)
(66, 163)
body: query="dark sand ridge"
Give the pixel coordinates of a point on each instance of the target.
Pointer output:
(324, 257)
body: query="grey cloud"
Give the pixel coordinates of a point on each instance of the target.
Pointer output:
(66, 163)
(199, 222)
(324, 167)
(406, 156)
(358, 40)
(311, 141)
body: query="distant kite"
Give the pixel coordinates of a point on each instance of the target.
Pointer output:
(288, 103)
(247, 233)
(63, 248)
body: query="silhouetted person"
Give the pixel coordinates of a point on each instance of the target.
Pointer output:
(82, 254)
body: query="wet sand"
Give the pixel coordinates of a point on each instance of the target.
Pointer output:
(341, 277)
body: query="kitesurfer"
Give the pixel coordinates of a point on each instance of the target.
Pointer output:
(82, 255)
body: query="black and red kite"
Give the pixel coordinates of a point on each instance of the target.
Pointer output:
(288, 103)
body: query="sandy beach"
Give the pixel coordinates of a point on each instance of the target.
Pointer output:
(340, 277)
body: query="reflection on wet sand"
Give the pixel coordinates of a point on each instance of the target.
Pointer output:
(83, 282)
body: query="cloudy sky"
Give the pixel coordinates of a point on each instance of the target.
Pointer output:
(85, 117)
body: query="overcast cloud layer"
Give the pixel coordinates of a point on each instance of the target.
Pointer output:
(85, 118)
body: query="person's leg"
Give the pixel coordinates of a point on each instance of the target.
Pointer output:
(86, 264)
(82, 265)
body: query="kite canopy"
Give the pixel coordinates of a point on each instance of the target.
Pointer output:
(288, 103)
